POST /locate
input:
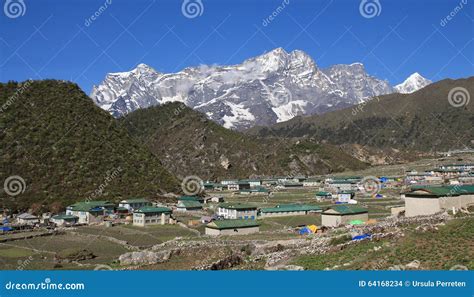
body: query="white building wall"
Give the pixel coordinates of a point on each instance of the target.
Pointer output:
(421, 206)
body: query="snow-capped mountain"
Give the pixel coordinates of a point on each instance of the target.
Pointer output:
(263, 90)
(412, 84)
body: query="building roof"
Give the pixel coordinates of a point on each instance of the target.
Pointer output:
(27, 216)
(255, 190)
(64, 217)
(440, 191)
(291, 208)
(342, 181)
(190, 198)
(237, 206)
(89, 205)
(346, 178)
(343, 209)
(232, 224)
(135, 200)
(189, 204)
(153, 209)
(250, 180)
(322, 193)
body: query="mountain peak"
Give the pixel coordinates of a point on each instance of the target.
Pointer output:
(263, 90)
(412, 84)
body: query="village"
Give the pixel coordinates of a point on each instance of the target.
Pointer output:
(273, 211)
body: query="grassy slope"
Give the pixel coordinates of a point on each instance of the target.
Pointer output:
(423, 120)
(439, 250)
(65, 147)
(190, 144)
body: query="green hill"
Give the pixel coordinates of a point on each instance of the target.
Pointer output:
(66, 149)
(189, 144)
(421, 121)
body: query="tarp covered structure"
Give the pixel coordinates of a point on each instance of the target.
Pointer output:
(360, 237)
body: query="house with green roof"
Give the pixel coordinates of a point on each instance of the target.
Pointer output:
(90, 211)
(322, 195)
(428, 200)
(311, 182)
(213, 186)
(252, 182)
(289, 210)
(240, 211)
(338, 185)
(64, 220)
(151, 215)
(342, 214)
(136, 203)
(188, 205)
(191, 198)
(254, 191)
(232, 227)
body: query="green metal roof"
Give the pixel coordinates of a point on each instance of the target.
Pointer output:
(190, 198)
(322, 193)
(189, 204)
(232, 224)
(88, 205)
(256, 190)
(291, 208)
(64, 217)
(345, 209)
(153, 209)
(441, 191)
(342, 181)
(238, 206)
(135, 200)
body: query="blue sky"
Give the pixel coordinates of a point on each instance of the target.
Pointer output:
(58, 39)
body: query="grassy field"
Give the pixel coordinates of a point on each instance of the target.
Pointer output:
(269, 224)
(139, 236)
(104, 250)
(437, 250)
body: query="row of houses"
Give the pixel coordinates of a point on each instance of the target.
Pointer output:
(450, 173)
(332, 217)
(247, 184)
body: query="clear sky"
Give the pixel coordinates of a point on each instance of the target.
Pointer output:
(61, 39)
